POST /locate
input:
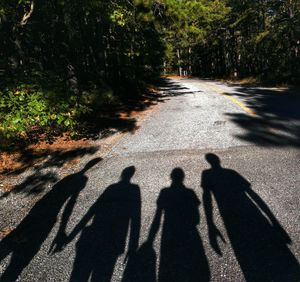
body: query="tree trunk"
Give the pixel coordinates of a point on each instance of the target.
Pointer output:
(190, 61)
(179, 63)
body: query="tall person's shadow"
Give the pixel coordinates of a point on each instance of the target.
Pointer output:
(182, 256)
(26, 240)
(114, 217)
(257, 238)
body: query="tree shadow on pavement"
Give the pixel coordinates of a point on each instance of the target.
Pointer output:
(41, 162)
(277, 117)
(123, 116)
(25, 241)
(170, 88)
(115, 216)
(258, 240)
(182, 256)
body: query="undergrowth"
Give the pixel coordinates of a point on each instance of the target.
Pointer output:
(37, 106)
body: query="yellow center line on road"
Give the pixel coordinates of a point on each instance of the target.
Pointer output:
(237, 102)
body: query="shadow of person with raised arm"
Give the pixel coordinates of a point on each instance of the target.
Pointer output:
(114, 216)
(182, 256)
(257, 238)
(25, 241)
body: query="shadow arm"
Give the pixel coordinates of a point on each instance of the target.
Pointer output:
(135, 225)
(266, 210)
(82, 223)
(61, 236)
(213, 231)
(261, 204)
(155, 225)
(207, 202)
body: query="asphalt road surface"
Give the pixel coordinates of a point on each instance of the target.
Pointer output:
(206, 190)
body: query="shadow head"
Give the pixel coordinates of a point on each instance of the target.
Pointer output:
(177, 175)
(90, 164)
(127, 173)
(213, 160)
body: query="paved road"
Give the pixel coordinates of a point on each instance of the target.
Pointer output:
(206, 190)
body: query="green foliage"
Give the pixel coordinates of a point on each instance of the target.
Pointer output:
(26, 108)
(255, 38)
(188, 23)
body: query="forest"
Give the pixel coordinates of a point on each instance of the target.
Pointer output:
(62, 61)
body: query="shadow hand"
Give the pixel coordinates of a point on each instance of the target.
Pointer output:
(129, 254)
(213, 238)
(58, 244)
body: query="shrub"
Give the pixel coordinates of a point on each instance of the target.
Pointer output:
(26, 108)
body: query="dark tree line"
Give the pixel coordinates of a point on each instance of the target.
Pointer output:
(242, 38)
(60, 60)
(108, 40)
(83, 40)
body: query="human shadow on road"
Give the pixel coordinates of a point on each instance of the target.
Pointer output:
(25, 241)
(115, 215)
(141, 266)
(182, 256)
(41, 161)
(257, 238)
